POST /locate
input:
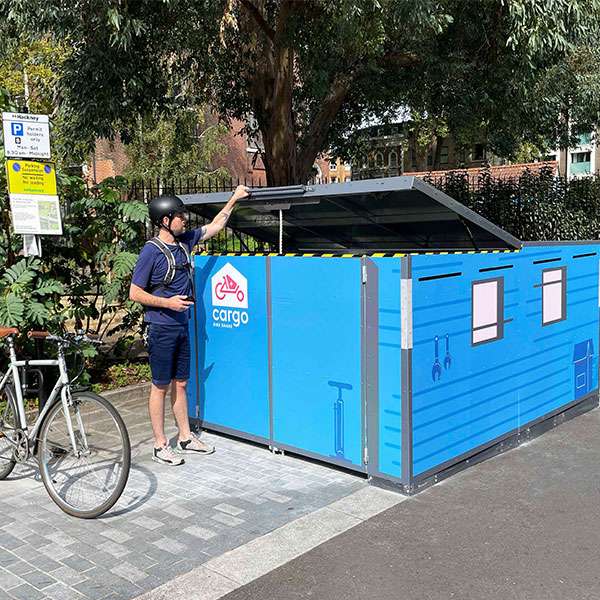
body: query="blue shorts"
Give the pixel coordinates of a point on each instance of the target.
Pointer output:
(169, 353)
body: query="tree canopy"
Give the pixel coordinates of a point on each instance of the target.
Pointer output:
(311, 72)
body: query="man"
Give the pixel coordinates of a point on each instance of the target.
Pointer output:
(162, 282)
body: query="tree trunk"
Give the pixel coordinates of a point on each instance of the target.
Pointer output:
(278, 129)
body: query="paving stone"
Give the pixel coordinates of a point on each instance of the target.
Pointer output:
(178, 511)
(26, 592)
(68, 576)
(116, 536)
(170, 545)
(234, 511)
(77, 563)
(61, 538)
(9, 580)
(7, 558)
(38, 579)
(114, 549)
(161, 527)
(10, 542)
(20, 567)
(43, 563)
(227, 520)
(129, 572)
(59, 591)
(93, 589)
(141, 561)
(55, 552)
(148, 523)
(200, 532)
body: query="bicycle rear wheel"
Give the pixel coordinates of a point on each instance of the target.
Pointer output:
(88, 484)
(8, 426)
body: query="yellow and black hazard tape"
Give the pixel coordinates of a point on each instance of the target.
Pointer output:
(355, 255)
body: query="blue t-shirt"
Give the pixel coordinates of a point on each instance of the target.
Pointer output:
(150, 270)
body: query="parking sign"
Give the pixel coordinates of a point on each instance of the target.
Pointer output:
(26, 136)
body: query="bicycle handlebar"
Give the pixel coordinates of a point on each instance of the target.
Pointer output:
(66, 339)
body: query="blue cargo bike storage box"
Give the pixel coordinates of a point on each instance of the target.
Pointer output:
(396, 333)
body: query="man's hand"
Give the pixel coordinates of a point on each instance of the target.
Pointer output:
(219, 222)
(241, 191)
(177, 303)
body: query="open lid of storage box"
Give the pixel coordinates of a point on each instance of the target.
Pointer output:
(394, 214)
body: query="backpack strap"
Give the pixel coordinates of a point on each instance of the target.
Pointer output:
(172, 267)
(166, 252)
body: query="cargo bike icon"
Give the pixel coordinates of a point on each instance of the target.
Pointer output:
(228, 286)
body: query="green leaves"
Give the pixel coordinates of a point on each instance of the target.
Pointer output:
(123, 264)
(50, 286)
(134, 211)
(21, 274)
(11, 310)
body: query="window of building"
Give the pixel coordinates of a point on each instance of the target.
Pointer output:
(333, 165)
(487, 311)
(479, 152)
(393, 159)
(379, 160)
(554, 295)
(580, 157)
(334, 180)
(444, 155)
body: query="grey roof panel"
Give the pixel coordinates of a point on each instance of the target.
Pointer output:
(375, 215)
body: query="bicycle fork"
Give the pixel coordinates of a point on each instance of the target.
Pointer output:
(67, 401)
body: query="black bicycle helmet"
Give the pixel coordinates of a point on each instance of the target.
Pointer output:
(164, 206)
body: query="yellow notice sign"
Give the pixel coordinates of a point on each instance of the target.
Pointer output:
(28, 177)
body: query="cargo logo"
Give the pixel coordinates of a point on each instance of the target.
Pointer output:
(230, 296)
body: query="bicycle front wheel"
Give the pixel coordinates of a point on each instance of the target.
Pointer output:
(88, 482)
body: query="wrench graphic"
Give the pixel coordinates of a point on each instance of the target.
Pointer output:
(436, 370)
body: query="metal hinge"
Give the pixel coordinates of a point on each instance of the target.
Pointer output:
(364, 273)
(366, 456)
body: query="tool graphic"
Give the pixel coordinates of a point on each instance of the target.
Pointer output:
(338, 417)
(447, 358)
(436, 370)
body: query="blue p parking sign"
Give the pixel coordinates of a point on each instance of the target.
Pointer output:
(16, 129)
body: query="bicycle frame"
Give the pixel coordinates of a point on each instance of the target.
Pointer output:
(61, 387)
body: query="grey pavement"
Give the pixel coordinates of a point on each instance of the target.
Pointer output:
(524, 525)
(169, 522)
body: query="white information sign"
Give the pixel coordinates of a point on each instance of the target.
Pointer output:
(36, 214)
(26, 136)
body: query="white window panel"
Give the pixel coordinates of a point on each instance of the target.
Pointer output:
(553, 295)
(485, 303)
(550, 276)
(485, 334)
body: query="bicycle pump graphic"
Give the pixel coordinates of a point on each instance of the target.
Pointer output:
(338, 418)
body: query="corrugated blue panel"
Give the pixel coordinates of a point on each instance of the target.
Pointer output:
(569, 374)
(232, 357)
(317, 356)
(390, 403)
(465, 396)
